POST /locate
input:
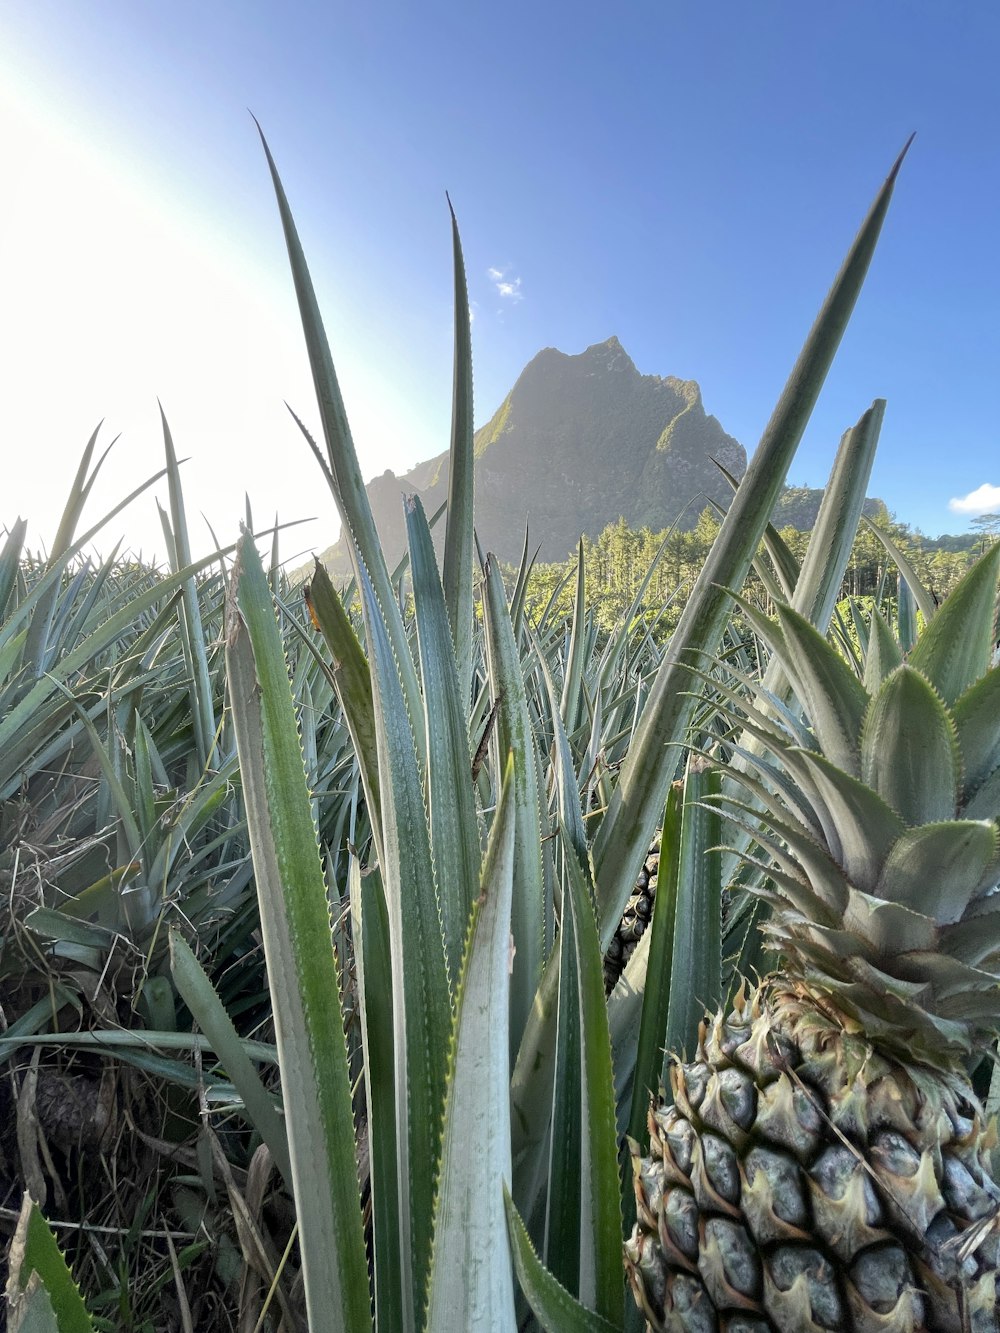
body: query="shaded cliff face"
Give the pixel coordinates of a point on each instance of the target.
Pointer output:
(579, 441)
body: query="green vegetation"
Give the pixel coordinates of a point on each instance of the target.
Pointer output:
(621, 559)
(308, 893)
(494, 428)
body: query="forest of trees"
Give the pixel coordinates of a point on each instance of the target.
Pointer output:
(619, 559)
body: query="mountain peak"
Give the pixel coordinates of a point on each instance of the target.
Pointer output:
(580, 440)
(611, 354)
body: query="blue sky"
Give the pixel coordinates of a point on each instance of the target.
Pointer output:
(686, 176)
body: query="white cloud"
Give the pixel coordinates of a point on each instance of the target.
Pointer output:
(984, 499)
(508, 286)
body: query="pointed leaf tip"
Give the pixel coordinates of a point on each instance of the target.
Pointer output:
(899, 160)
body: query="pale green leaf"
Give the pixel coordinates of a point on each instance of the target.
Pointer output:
(956, 648)
(909, 750)
(449, 794)
(600, 1216)
(458, 553)
(422, 1016)
(859, 827)
(909, 580)
(351, 679)
(471, 1282)
(937, 869)
(833, 698)
(372, 953)
(301, 969)
(571, 706)
(889, 928)
(882, 655)
(514, 734)
(193, 635)
(344, 470)
(977, 722)
(832, 538)
(659, 967)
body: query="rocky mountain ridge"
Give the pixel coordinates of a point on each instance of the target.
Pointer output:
(578, 441)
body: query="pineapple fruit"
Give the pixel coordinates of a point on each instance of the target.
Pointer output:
(824, 1162)
(636, 917)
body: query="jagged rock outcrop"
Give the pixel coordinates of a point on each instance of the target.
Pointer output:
(578, 441)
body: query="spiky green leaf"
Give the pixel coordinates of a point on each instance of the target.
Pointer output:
(836, 526)
(471, 1281)
(696, 966)
(372, 953)
(883, 654)
(302, 973)
(909, 750)
(553, 1306)
(938, 868)
(344, 470)
(889, 927)
(458, 553)
(656, 999)
(601, 1275)
(450, 801)
(859, 826)
(196, 990)
(977, 721)
(35, 1254)
(351, 679)
(910, 581)
(956, 648)
(832, 696)
(421, 995)
(514, 735)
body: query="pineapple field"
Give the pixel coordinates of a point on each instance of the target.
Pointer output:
(417, 954)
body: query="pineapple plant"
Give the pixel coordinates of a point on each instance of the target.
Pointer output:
(824, 1161)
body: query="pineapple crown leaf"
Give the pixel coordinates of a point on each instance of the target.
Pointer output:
(961, 989)
(794, 795)
(829, 692)
(884, 885)
(909, 748)
(810, 860)
(977, 723)
(832, 696)
(788, 893)
(937, 869)
(956, 647)
(900, 1024)
(883, 653)
(976, 938)
(889, 927)
(774, 724)
(859, 827)
(985, 800)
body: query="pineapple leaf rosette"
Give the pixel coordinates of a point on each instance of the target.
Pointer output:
(824, 1162)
